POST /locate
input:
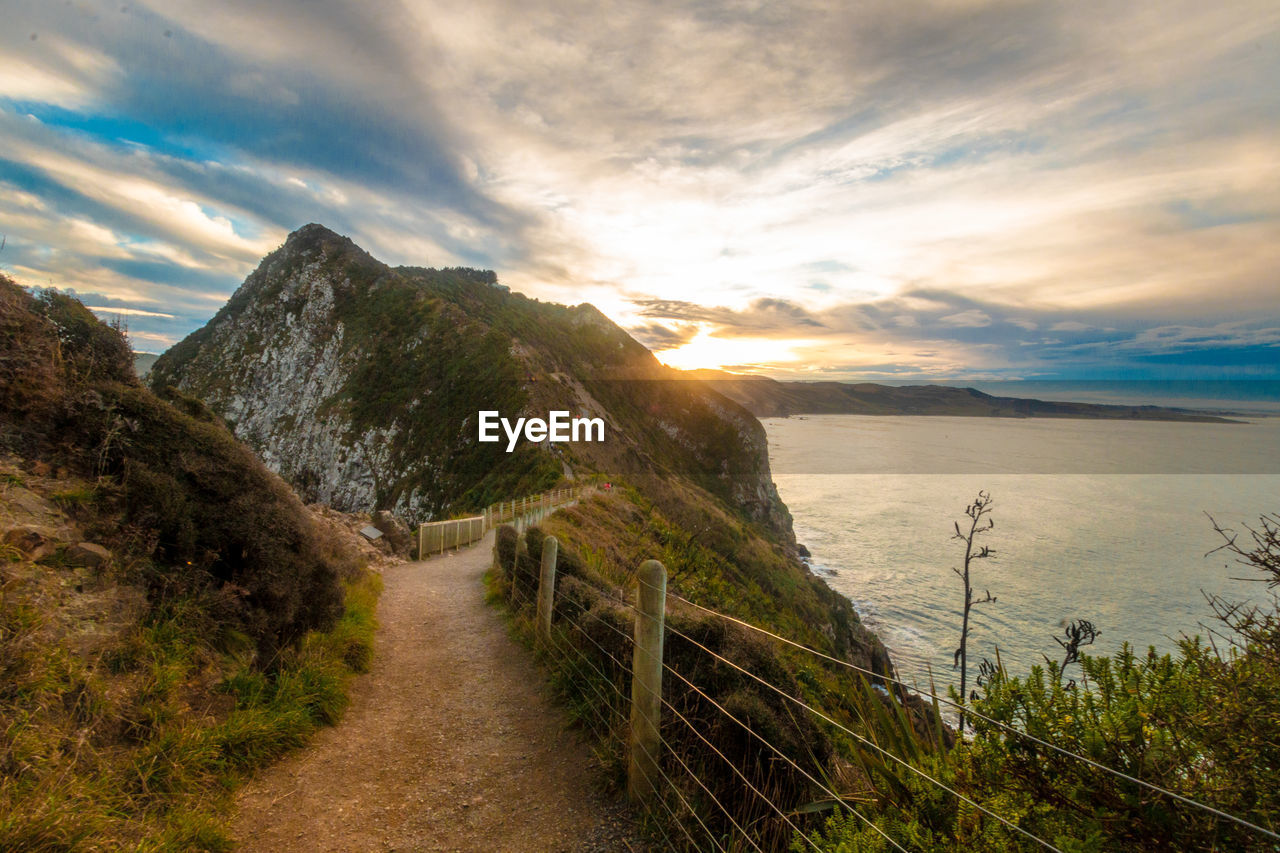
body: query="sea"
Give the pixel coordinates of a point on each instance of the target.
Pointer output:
(1109, 521)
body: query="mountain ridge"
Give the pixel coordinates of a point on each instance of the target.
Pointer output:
(361, 384)
(324, 357)
(766, 397)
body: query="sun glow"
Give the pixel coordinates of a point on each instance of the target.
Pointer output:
(706, 350)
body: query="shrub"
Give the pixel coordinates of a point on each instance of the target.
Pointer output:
(1203, 723)
(222, 521)
(506, 539)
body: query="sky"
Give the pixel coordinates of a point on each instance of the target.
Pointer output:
(968, 189)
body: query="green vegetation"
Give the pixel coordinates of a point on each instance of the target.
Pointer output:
(200, 509)
(418, 352)
(720, 561)
(417, 369)
(459, 367)
(221, 632)
(602, 542)
(141, 746)
(1203, 723)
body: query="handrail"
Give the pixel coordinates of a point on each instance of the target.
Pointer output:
(436, 537)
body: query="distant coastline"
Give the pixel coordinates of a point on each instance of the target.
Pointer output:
(771, 398)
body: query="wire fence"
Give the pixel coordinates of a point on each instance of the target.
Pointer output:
(729, 771)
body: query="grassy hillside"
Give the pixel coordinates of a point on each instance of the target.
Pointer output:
(723, 565)
(170, 614)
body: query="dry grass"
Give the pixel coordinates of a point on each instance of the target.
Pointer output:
(140, 745)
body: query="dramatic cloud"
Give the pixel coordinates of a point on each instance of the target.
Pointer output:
(920, 334)
(823, 188)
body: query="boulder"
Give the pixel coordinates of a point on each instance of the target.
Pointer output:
(395, 530)
(32, 541)
(88, 554)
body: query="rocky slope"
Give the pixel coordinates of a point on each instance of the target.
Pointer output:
(361, 385)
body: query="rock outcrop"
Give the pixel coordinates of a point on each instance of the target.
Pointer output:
(361, 385)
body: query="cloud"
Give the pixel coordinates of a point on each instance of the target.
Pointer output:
(971, 319)
(128, 312)
(931, 183)
(766, 317)
(659, 337)
(934, 334)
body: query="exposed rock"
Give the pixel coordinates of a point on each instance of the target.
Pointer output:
(347, 526)
(34, 542)
(360, 384)
(27, 502)
(396, 531)
(88, 554)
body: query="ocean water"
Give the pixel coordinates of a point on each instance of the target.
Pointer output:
(1106, 521)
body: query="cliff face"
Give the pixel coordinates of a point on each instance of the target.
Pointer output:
(277, 363)
(361, 385)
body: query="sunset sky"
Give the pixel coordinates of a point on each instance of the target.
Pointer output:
(959, 189)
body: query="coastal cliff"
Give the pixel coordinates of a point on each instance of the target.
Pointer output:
(361, 385)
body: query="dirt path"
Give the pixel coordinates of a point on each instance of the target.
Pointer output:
(450, 742)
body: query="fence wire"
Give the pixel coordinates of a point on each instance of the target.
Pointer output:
(1005, 727)
(821, 715)
(577, 658)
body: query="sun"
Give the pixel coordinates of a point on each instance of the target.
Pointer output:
(706, 350)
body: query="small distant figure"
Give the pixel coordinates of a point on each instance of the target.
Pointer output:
(608, 485)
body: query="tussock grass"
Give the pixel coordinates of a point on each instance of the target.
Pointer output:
(141, 747)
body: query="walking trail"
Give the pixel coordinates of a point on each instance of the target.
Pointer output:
(450, 742)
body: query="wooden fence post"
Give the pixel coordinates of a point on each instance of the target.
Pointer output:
(646, 682)
(547, 586)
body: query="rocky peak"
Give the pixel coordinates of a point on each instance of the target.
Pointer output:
(362, 384)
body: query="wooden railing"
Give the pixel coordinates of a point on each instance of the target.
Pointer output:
(436, 537)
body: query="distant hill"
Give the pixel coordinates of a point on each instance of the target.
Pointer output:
(142, 362)
(770, 398)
